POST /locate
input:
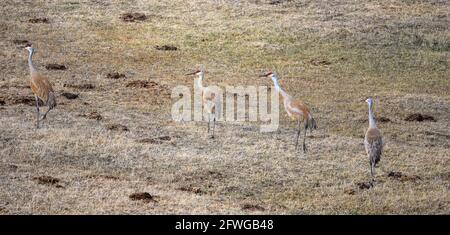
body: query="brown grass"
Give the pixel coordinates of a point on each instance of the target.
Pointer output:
(331, 54)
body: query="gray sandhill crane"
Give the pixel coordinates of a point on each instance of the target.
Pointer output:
(373, 141)
(208, 100)
(41, 87)
(296, 110)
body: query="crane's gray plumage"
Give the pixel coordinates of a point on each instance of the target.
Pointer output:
(373, 141)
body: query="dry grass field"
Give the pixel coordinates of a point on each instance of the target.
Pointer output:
(117, 138)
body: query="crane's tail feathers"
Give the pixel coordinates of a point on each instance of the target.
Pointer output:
(51, 102)
(312, 123)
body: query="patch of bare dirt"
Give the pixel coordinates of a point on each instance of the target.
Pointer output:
(108, 177)
(142, 84)
(41, 20)
(191, 189)
(69, 96)
(115, 75)
(86, 86)
(157, 140)
(156, 88)
(383, 119)
(166, 48)
(133, 17)
(55, 67)
(3, 210)
(144, 196)
(14, 100)
(403, 177)
(116, 127)
(6, 86)
(252, 207)
(379, 119)
(48, 180)
(447, 136)
(417, 117)
(21, 42)
(365, 185)
(92, 115)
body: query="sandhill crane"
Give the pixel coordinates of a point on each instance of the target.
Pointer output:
(40, 86)
(208, 100)
(373, 141)
(296, 110)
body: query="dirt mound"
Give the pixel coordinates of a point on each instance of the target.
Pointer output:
(365, 185)
(116, 127)
(142, 84)
(417, 117)
(21, 42)
(155, 88)
(108, 177)
(403, 177)
(252, 207)
(115, 75)
(55, 67)
(48, 180)
(146, 197)
(86, 86)
(69, 96)
(133, 17)
(14, 100)
(166, 48)
(157, 140)
(383, 119)
(42, 20)
(191, 189)
(92, 115)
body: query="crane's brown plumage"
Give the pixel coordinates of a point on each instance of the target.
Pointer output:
(373, 141)
(296, 110)
(41, 87)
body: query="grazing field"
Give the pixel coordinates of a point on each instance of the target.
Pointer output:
(111, 147)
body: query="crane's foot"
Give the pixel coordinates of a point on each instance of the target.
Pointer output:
(304, 148)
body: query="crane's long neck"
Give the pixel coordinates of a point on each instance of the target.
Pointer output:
(371, 118)
(30, 63)
(200, 80)
(278, 88)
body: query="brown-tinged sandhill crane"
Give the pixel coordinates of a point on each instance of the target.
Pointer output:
(40, 86)
(373, 141)
(296, 110)
(208, 100)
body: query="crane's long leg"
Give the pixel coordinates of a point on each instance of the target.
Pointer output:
(304, 137)
(214, 125)
(209, 120)
(45, 114)
(372, 171)
(37, 111)
(298, 135)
